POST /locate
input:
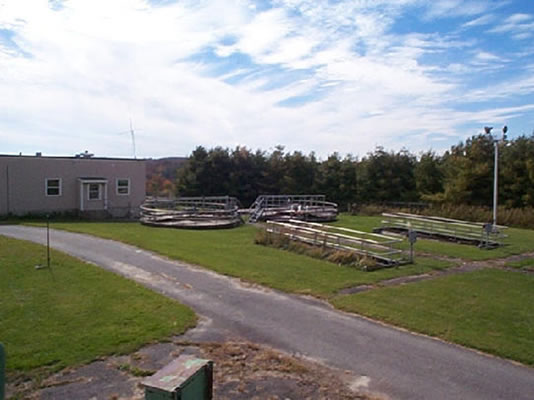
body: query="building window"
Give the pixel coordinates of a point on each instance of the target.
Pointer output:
(123, 187)
(53, 187)
(94, 191)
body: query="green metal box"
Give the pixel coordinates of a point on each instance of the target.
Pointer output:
(186, 378)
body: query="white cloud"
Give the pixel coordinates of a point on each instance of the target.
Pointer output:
(479, 21)
(94, 64)
(520, 86)
(518, 18)
(455, 8)
(519, 26)
(485, 56)
(486, 61)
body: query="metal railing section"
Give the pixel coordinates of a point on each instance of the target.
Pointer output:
(192, 212)
(285, 207)
(485, 235)
(372, 245)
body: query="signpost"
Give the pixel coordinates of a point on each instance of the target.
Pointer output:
(47, 247)
(47, 242)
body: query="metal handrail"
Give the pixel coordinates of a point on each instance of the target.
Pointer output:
(321, 235)
(444, 227)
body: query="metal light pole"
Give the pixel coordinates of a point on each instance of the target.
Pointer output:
(496, 141)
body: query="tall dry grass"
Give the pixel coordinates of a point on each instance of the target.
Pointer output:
(514, 217)
(323, 253)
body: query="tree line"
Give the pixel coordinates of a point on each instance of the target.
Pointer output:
(462, 175)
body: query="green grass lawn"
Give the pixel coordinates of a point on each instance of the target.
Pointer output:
(76, 312)
(233, 252)
(527, 264)
(490, 310)
(518, 241)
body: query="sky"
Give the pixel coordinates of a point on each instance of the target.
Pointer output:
(318, 76)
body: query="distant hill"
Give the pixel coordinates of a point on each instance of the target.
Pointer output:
(161, 175)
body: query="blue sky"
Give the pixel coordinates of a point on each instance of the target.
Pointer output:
(311, 75)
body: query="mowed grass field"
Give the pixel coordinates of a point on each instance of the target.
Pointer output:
(75, 312)
(488, 310)
(233, 252)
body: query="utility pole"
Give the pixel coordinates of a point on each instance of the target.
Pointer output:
(495, 184)
(496, 141)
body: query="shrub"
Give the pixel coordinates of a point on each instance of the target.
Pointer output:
(343, 257)
(269, 239)
(368, 264)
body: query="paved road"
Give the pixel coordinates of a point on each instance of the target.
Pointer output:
(389, 361)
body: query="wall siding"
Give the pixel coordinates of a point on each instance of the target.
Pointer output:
(23, 184)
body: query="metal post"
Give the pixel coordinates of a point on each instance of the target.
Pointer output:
(412, 238)
(7, 189)
(495, 178)
(48, 242)
(488, 129)
(2, 371)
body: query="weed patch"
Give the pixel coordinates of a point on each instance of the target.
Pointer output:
(135, 371)
(339, 257)
(526, 264)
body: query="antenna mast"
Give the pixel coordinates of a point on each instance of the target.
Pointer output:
(133, 138)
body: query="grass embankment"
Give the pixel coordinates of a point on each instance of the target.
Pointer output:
(518, 241)
(75, 312)
(233, 252)
(490, 310)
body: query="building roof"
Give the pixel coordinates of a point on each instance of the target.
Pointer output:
(69, 157)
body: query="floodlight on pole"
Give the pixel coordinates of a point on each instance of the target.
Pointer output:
(496, 140)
